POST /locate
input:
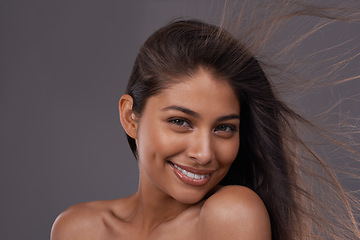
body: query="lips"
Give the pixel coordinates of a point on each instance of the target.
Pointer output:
(192, 176)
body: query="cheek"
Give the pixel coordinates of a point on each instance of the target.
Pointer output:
(165, 144)
(157, 141)
(226, 152)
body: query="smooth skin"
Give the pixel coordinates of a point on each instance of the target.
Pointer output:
(194, 123)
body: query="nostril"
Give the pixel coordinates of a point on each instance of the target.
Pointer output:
(200, 147)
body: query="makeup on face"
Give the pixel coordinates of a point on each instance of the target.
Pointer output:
(188, 137)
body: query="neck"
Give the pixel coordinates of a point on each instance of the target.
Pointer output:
(152, 207)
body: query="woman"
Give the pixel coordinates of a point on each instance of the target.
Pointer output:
(217, 150)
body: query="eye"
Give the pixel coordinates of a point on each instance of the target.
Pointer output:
(225, 130)
(179, 122)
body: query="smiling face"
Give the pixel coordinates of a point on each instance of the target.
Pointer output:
(188, 136)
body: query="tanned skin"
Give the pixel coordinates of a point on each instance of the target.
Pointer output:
(192, 125)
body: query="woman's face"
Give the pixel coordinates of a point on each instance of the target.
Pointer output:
(188, 136)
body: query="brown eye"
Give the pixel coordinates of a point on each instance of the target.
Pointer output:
(180, 122)
(225, 128)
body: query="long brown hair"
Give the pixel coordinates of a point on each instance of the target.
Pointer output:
(273, 160)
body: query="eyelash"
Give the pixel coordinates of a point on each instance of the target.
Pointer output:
(180, 122)
(229, 126)
(175, 121)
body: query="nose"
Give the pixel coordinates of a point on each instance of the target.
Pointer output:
(200, 148)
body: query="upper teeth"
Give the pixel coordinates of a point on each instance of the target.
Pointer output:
(190, 174)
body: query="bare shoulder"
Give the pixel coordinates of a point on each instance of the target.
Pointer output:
(81, 221)
(234, 211)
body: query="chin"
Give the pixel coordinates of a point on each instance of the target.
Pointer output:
(189, 200)
(189, 197)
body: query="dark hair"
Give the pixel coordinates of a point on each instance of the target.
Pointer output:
(265, 161)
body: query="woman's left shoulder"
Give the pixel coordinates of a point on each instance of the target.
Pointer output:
(233, 212)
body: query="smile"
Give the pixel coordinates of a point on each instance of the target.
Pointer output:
(190, 174)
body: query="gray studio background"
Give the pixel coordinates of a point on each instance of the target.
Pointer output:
(63, 68)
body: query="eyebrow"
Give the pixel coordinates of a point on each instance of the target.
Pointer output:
(182, 109)
(197, 115)
(229, 117)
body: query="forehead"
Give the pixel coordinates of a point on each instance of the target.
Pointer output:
(203, 92)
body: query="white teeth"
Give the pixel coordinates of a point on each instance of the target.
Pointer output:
(190, 174)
